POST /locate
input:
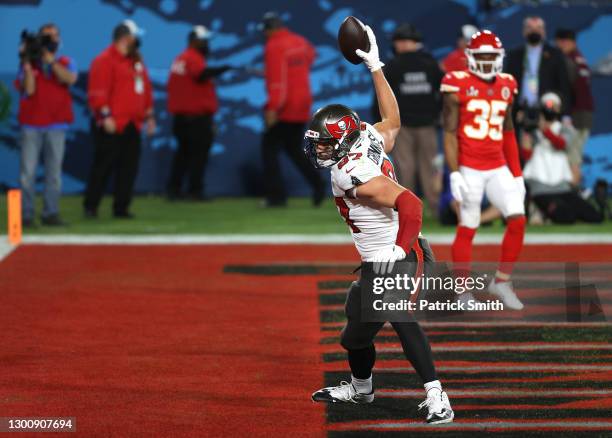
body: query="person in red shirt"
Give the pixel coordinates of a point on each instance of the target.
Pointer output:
(288, 58)
(583, 104)
(45, 114)
(456, 60)
(120, 97)
(193, 102)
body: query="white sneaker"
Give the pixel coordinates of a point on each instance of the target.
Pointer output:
(439, 410)
(503, 290)
(465, 299)
(345, 393)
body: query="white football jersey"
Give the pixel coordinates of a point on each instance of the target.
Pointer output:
(372, 228)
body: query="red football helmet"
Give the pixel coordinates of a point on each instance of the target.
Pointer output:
(485, 42)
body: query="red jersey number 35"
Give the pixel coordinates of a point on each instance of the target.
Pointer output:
(488, 119)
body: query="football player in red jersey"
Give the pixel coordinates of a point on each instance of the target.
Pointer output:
(482, 154)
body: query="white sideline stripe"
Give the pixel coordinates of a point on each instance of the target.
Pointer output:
(5, 249)
(320, 239)
(503, 368)
(476, 393)
(483, 425)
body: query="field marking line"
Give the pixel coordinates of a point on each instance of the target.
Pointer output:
(580, 424)
(509, 346)
(486, 324)
(5, 249)
(321, 239)
(499, 392)
(500, 368)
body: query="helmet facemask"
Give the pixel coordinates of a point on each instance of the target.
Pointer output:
(485, 62)
(325, 152)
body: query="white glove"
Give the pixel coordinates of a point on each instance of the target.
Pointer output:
(385, 259)
(520, 182)
(459, 188)
(371, 59)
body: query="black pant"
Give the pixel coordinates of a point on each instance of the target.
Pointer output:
(113, 152)
(194, 135)
(357, 337)
(567, 208)
(290, 137)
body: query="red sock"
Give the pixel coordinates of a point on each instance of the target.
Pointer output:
(511, 246)
(462, 246)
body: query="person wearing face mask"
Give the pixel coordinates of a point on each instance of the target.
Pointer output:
(193, 102)
(538, 68)
(547, 168)
(45, 114)
(120, 97)
(583, 104)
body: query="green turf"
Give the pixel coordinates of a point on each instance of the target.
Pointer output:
(155, 215)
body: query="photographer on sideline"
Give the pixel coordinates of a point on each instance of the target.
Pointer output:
(547, 170)
(45, 113)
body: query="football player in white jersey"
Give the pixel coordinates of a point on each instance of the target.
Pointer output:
(385, 222)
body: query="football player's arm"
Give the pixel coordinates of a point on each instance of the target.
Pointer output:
(450, 123)
(511, 149)
(390, 123)
(382, 191)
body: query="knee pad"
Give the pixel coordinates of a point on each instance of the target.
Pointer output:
(469, 216)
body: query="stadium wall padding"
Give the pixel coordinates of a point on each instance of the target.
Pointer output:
(235, 162)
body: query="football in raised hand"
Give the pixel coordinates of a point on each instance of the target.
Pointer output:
(352, 36)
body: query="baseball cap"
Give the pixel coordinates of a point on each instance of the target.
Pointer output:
(550, 99)
(270, 20)
(467, 31)
(407, 31)
(200, 32)
(127, 27)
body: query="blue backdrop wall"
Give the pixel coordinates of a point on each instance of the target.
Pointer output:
(235, 166)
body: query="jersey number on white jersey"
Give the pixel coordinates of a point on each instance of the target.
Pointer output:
(386, 168)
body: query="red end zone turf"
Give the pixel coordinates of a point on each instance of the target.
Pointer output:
(158, 341)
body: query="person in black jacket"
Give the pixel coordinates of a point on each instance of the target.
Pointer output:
(538, 68)
(414, 76)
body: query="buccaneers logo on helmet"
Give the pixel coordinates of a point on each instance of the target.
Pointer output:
(344, 126)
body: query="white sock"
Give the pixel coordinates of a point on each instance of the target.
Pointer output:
(434, 384)
(363, 386)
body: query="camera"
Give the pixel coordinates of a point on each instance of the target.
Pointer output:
(32, 45)
(530, 119)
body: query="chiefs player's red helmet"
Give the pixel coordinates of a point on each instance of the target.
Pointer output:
(485, 42)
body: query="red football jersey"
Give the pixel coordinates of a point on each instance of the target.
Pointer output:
(482, 109)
